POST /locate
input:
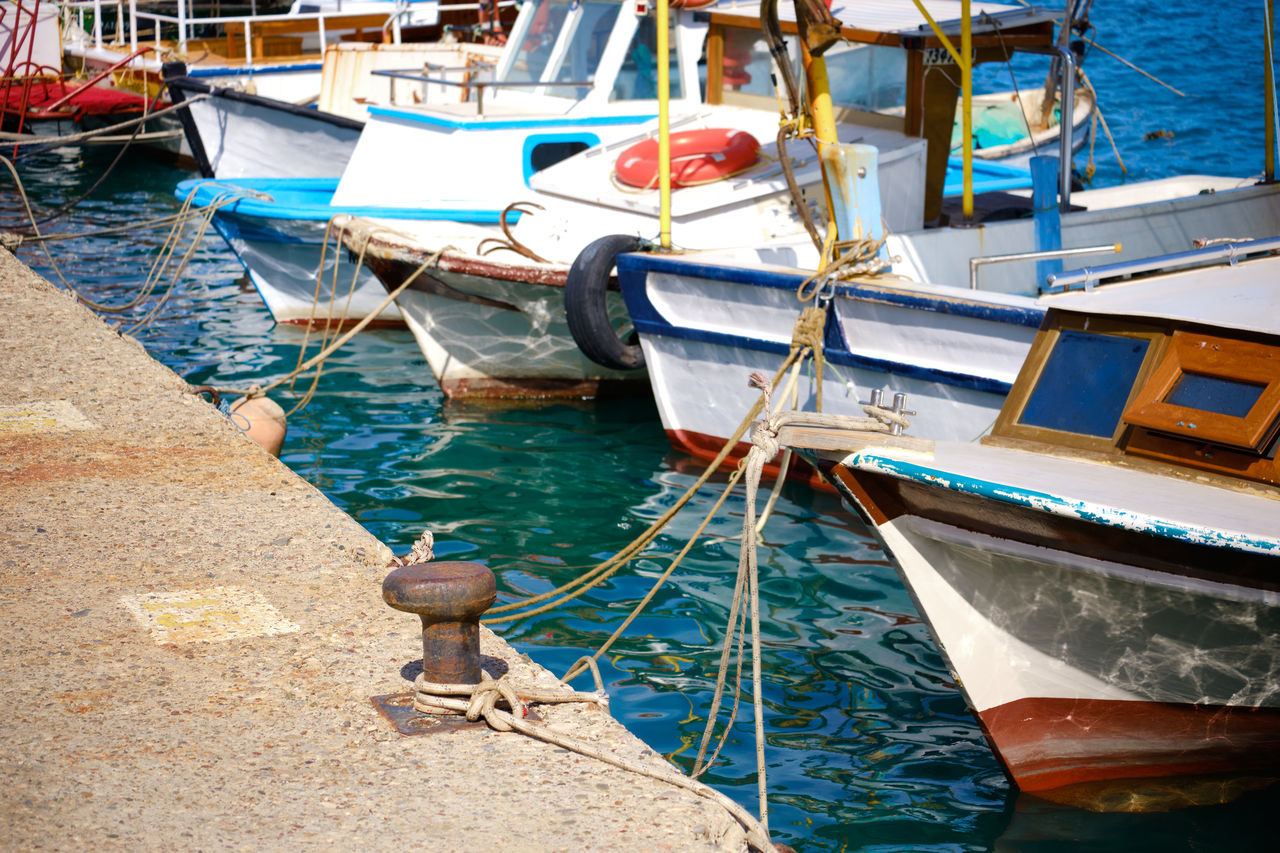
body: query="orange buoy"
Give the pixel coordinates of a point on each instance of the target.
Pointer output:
(261, 419)
(697, 157)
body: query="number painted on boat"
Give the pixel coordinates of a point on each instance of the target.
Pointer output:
(934, 56)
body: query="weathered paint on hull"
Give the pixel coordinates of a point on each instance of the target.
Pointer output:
(1090, 654)
(496, 330)
(1055, 743)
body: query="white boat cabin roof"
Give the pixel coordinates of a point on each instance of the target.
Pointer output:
(1242, 295)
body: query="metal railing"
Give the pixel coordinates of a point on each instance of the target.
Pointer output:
(1047, 255)
(416, 76)
(129, 23)
(1229, 251)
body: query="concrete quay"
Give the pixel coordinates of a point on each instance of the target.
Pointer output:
(191, 635)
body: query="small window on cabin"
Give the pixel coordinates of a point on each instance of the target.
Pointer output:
(638, 77)
(1231, 397)
(748, 66)
(546, 154)
(1214, 390)
(1085, 383)
(867, 77)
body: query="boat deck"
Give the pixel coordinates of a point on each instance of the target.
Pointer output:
(193, 634)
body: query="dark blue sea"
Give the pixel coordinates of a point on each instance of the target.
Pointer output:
(870, 745)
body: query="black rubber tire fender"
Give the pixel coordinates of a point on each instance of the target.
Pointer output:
(585, 309)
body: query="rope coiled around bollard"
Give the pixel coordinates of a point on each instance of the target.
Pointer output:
(480, 701)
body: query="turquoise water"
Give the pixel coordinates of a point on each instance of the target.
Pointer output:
(870, 746)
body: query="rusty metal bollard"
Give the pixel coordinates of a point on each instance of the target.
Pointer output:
(449, 596)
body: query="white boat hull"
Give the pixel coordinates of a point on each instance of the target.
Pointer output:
(1096, 642)
(241, 138)
(708, 320)
(282, 259)
(492, 327)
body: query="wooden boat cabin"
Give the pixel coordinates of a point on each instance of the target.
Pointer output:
(1179, 396)
(899, 76)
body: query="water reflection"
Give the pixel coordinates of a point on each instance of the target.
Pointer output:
(870, 744)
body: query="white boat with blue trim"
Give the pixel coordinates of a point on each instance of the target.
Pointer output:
(1102, 572)
(235, 131)
(568, 79)
(751, 202)
(275, 55)
(949, 324)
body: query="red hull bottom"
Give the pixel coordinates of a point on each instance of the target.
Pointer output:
(706, 448)
(540, 389)
(341, 325)
(1049, 744)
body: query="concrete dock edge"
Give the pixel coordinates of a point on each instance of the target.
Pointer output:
(192, 635)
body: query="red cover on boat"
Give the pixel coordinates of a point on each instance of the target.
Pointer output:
(91, 100)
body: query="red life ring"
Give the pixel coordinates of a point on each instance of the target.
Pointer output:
(697, 157)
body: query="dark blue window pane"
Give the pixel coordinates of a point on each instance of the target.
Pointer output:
(1215, 394)
(1085, 383)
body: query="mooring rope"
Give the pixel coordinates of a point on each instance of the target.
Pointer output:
(765, 446)
(22, 140)
(511, 244)
(320, 357)
(480, 701)
(176, 221)
(165, 256)
(330, 326)
(1099, 117)
(805, 340)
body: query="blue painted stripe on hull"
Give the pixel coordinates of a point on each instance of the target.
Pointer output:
(1121, 519)
(509, 124)
(245, 70)
(308, 200)
(633, 269)
(1030, 316)
(843, 358)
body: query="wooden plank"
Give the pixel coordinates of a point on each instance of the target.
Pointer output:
(311, 25)
(836, 439)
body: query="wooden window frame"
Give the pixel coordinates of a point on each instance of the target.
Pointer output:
(1007, 425)
(1220, 358)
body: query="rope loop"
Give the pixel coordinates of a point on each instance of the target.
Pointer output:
(809, 329)
(511, 244)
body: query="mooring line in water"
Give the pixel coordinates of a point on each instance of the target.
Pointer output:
(320, 357)
(734, 477)
(1134, 67)
(165, 257)
(806, 340)
(123, 148)
(604, 570)
(329, 324)
(167, 249)
(1099, 117)
(23, 140)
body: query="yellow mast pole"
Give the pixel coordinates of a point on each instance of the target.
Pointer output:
(964, 61)
(824, 120)
(966, 105)
(664, 126)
